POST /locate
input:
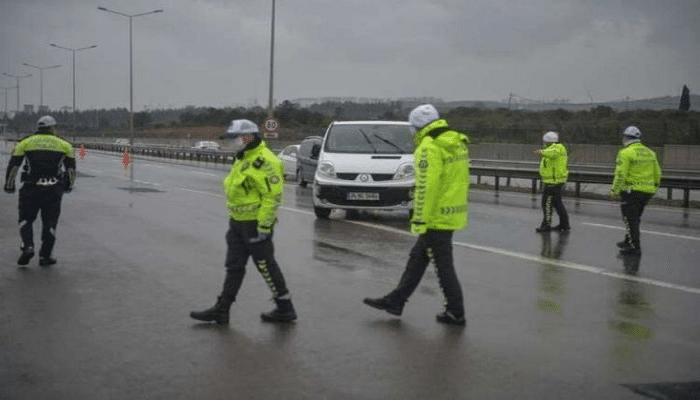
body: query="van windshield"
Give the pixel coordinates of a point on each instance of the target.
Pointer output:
(370, 139)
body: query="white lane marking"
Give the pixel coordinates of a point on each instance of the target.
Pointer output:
(147, 183)
(203, 173)
(297, 211)
(202, 192)
(580, 267)
(673, 235)
(544, 260)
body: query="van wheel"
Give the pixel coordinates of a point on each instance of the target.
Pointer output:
(322, 213)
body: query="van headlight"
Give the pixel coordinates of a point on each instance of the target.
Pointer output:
(326, 169)
(405, 171)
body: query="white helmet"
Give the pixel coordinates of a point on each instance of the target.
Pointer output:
(244, 133)
(242, 127)
(550, 137)
(46, 121)
(423, 115)
(633, 132)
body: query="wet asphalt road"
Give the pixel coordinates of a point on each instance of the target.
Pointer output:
(549, 316)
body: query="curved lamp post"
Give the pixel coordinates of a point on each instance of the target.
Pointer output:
(75, 117)
(41, 81)
(131, 64)
(17, 77)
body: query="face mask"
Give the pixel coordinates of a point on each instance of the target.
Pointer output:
(238, 144)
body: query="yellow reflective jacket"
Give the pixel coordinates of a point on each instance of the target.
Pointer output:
(254, 187)
(637, 168)
(440, 198)
(46, 154)
(553, 168)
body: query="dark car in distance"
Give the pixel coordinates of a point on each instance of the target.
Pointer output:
(307, 159)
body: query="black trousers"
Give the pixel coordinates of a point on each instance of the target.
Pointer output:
(32, 199)
(551, 198)
(435, 245)
(632, 207)
(239, 250)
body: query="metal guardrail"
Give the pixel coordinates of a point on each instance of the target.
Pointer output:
(578, 174)
(581, 174)
(177, 153)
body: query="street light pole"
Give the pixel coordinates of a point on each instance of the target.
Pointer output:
(17, 77)
(272, 59)
(6, 89)
(73, 51)
(41, 81)
(131, 74)
(131, 63)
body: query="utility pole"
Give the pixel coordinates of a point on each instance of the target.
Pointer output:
(272, 59)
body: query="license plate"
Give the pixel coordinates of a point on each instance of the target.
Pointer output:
(363, 196)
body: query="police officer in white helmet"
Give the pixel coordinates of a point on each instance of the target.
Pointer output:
(49, 171)
(554, 173)
(253, 189)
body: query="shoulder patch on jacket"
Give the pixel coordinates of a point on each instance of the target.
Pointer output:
(258, 162)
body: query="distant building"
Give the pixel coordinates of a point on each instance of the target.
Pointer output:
(29, 108)
(43, 109)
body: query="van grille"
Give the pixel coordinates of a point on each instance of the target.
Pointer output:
(375, 177)
(387, 196)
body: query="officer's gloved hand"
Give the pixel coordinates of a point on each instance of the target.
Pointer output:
(9, 189)
(262, 236)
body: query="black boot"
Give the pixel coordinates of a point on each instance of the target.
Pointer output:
(27, 254)
(218, 313)
(562, 229)
(46, 261)
(384, 303)
(448, 317)
(543, 228)
(284, 312)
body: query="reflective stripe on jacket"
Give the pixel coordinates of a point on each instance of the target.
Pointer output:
(637, 168)
(254, 187)
(440, 199)
(553, 165)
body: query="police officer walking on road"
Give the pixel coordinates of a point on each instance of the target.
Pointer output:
(637, 178)
(253, 190)
(439, 208)
(49, 171)
(554, 173)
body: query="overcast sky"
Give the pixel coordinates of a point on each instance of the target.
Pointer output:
(216, 52)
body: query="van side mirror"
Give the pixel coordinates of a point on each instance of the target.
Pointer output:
(315, 151)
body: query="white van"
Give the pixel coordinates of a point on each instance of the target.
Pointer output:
(365, 165)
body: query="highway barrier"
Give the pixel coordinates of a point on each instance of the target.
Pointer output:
(685, 180)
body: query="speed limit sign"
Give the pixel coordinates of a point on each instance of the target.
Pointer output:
(271, 125)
